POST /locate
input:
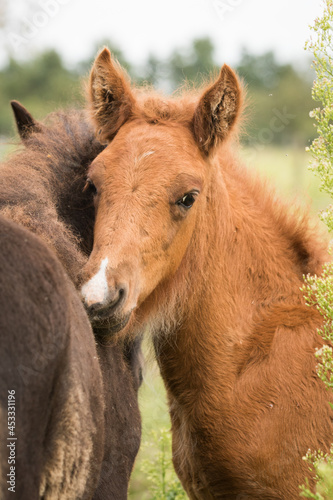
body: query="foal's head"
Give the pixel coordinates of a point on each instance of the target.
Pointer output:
(149, 183)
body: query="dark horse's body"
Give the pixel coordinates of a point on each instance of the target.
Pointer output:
(42, 189)
(53, 434)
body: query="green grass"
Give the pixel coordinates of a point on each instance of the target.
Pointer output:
(287, 169)
(6, 147)
(155, 416)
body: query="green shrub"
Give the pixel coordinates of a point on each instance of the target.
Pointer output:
(319, 290)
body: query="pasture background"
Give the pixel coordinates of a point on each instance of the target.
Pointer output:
(44, 81)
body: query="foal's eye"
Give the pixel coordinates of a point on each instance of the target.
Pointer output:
(187, 200)
(90, 187)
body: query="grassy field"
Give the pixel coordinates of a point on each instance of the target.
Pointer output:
(287, 169)
(155, 416)
(6, 148)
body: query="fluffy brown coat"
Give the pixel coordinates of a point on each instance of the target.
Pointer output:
(42, 189)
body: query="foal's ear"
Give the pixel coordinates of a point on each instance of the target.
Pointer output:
(217, 110)
(110, 96)
(25, 123)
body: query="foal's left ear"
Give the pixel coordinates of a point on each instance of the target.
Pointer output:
(217, 110)
(110, 96)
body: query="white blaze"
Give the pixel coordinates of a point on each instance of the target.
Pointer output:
(144, 155)
(96, 289)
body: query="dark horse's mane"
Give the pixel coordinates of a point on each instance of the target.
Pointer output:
(49, 198)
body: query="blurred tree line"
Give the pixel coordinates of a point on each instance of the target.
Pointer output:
(279, 95)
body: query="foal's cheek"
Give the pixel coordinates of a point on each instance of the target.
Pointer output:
(178, 239)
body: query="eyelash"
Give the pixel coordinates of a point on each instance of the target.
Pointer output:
(90, 186)
(189, 198)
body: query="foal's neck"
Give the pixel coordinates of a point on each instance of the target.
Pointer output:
(240, 264)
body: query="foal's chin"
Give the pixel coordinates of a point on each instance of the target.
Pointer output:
(105, 328)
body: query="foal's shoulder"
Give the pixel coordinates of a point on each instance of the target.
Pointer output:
(282, 335)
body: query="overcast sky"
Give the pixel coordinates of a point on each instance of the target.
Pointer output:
(147, 26)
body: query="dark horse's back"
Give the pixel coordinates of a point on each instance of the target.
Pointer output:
(51, 391)
(42, 188)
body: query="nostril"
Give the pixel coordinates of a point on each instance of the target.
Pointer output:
(117, 298)
(93, 308)
(114, 301)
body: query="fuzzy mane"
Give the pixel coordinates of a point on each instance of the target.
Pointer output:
(155, 107)
(304, 237)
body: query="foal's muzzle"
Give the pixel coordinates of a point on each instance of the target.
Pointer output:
(111, 306)
(108, 315)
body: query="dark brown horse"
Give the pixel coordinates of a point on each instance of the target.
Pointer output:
(51, 388)
(192, 245)
(42, 189)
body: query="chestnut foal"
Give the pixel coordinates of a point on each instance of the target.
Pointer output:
(190, 244)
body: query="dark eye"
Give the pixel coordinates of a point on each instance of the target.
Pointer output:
(90, 187)
(187, 200)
